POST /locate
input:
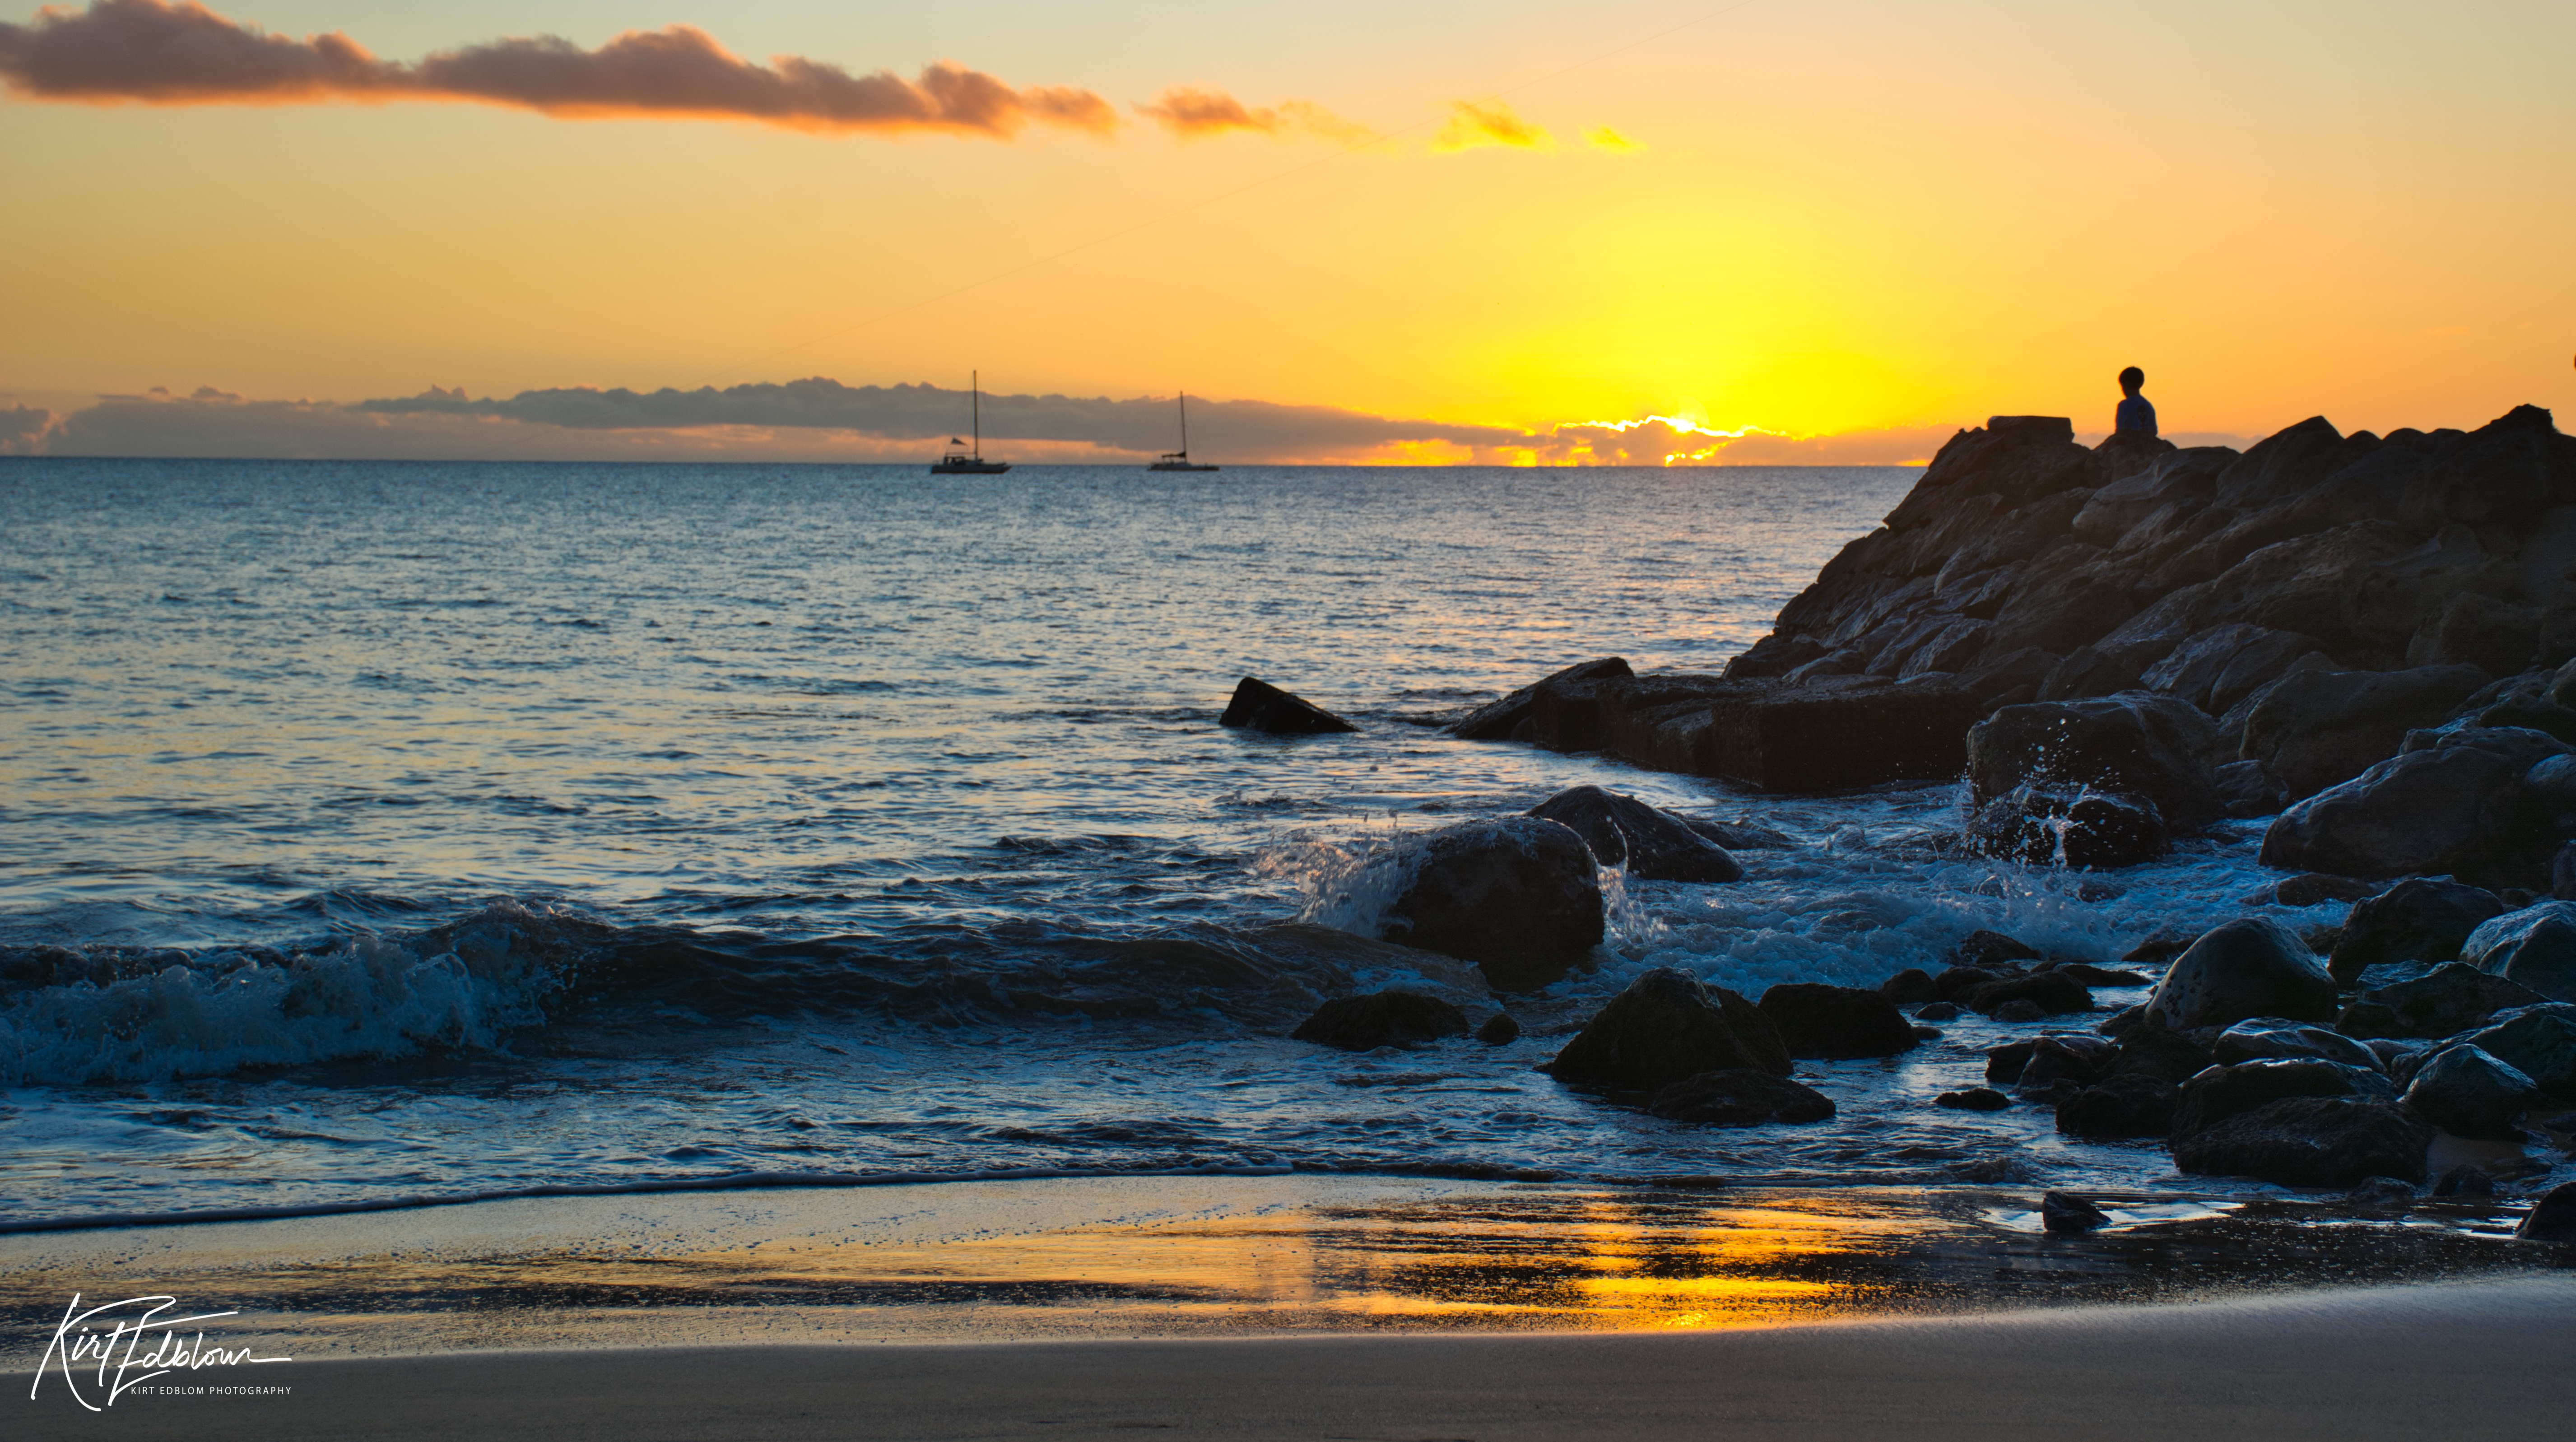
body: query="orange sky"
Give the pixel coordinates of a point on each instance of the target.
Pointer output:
(1805, 218)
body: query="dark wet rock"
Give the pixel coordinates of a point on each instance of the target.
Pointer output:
(2056, 826)
(2069, 1057)
(2085, 973)
(1741, 1097)
(1984, 948)
(1743, 835)
(2151, 1051)
(1496, 720)
(2214, 1095)
(1836, 1023)
(2316, 729)
(2124, 1104)
(2495, 636)
(2418, 919)
(2120, 1023)
(1957, 981)
(2019, 1010)
(2468, 1093)
(2163, 944)
(2315, 888)
(2245, 968)
(1501, 1029)
(2382, 1194)
(1565, 716)
(2256, 1038)
(2397, 1058)
(1667, 1026)
(1838, 737)
(1974, 1099)
(2154, 748)
(1260, 706)
(2004, 1063)
(1909, 986)
(2217, 667)
(2451, 998)
(2048, 993)
(2049, 1094)
(2311, 1142)
(1937, 1011)
(1925, 1033)
(2552, 1220)
(1623, 831)
(2455, 804)
(2534, 947)
(1518, 896)
(2066, 1212)
(2464, 1180)
(2538, 1041)
(1385, 1018)
(2247, 789)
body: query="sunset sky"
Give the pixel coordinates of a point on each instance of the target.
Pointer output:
(1434, 230)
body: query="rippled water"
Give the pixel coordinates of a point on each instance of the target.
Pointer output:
(381, 829)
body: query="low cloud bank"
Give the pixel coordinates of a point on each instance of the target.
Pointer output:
(158, 53)
(819, 419)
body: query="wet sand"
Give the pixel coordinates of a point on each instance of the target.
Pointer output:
(2456, 1360)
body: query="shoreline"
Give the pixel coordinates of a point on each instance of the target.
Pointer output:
(2462, 1359)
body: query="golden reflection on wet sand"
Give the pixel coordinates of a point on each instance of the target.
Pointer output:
(1198, 1256)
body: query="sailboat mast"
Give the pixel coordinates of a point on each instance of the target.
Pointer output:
(975, 390)
(1185, 424)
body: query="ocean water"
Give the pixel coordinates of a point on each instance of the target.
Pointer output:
(371, 831)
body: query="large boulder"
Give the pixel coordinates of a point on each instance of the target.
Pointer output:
(2534, 947)
(2455, 804)
(2451, 998)
(2418, 919)
(2315, 729)
(2151, 1051)
(2552, 1219)
(1519, 896)
(2311, 1142)
(2245, 968)
(1497, 720)
(2220, 1092)
(2468, 1093)
(2257, 1038)
(1838, 737)
(1743, 1097)
(1623, 831)
(1836, 1023)
(1665, 1027)
(2538, 1041)
(2153, 747)
(2066, 827)
(2215, 668)
(1385, 1018)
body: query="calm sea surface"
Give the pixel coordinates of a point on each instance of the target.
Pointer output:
(370, 830)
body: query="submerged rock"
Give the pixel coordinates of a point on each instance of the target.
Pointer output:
(1498, 720)
(2418, 919)
(2245, 968)
(1667, 1026)
(1984, 948)
(2468, 1093)
(1260, 706)
(1385, 1018)
(2311, 1142)
(2534, 947)
(1518, 896)
(1501, 1029)
(1836, 1023)
(1974, 1099)
(1742, 1097)
(2067, 1212)
(1623, 831)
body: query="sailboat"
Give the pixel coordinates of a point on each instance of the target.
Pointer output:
(960, 461)
(1180, 460)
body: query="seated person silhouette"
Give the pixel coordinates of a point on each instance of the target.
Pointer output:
(2137, 415)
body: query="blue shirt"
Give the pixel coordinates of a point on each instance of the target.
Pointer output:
(2135, 417)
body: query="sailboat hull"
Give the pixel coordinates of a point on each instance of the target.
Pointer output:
(1178, 466)
(956, 467)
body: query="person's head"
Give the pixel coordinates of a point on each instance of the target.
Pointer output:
(2131, 379)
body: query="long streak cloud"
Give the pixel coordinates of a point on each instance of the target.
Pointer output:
(154, 52)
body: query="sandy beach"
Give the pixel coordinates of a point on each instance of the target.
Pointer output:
(2463, 1360)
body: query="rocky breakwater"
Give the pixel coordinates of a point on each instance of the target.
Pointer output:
(2313, 601)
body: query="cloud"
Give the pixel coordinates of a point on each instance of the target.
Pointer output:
(1473, 123)
(1195, 112)
(1602, 137)
(818, 419)
(155, 52)
(24, 430)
